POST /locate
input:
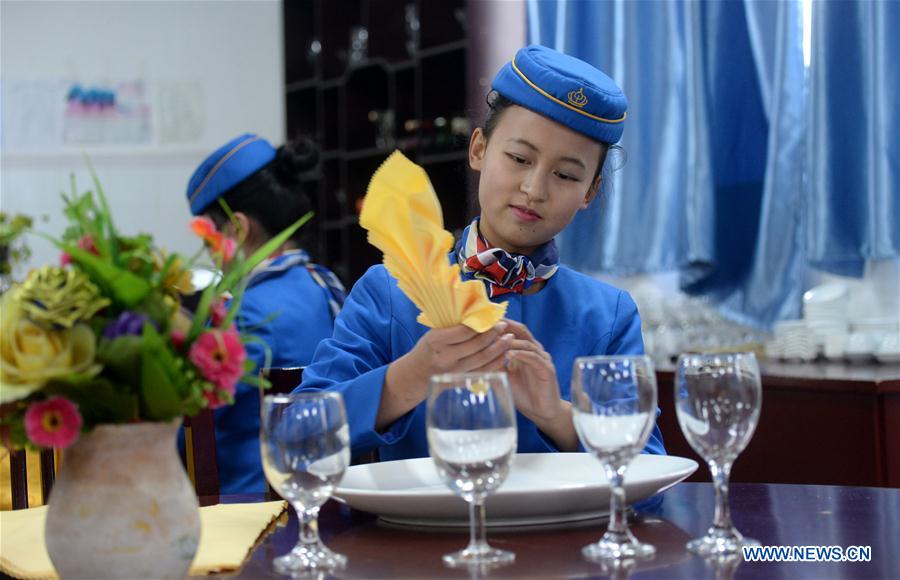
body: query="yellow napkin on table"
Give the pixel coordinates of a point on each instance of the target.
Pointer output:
(403, 216)
(227, 533)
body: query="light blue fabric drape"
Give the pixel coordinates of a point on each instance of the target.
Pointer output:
(853, 204)
(713, 180)
(772, 289)
(646, 223)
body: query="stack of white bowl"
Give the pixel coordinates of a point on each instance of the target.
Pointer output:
(825, 311)
(889, 349)
(874, 337)
(793, 341)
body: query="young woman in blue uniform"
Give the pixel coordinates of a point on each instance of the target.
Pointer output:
(290, 303)
(540, 155)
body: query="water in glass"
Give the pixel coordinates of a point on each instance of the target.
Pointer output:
(613, 405)
(305, 444)
(472, 439)
(718, 399)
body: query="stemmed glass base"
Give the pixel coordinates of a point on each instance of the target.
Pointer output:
(479, 556)
(308, 557)
(617, 546)
(720, 542)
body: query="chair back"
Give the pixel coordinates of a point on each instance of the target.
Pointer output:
(200, 456)
(18, 476)
(282, 379)
(200, 459)
(200, 435)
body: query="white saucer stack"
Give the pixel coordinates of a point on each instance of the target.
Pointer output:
(793, 340)
(889, 349)
(825, 311)
(875, 337)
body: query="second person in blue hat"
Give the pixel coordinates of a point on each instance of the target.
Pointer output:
(290, 302)
(540, 156)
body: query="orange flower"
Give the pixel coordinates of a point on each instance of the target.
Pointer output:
(218, 243)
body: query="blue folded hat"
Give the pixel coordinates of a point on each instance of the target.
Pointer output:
(226, 167)
(566, 89)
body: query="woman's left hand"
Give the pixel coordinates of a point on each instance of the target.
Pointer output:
(535, 389)
(532, 377)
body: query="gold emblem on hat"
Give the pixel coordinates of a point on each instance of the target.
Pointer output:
(578, 98)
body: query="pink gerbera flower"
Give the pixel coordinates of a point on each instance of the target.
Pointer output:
(55, 422)
(220, 356)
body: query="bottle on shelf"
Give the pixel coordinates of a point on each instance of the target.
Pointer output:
(413, 26)
(383, 120)
(409, 138)
(359, 46)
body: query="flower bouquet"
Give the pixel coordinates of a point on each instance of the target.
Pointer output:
(102, 338)
(98, 356)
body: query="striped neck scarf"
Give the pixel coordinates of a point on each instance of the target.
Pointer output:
(501, 271)
(321, 275)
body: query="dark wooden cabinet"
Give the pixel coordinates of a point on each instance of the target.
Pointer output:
(365, 77)
(821, 423)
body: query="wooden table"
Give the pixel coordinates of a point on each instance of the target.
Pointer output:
(795, 515)
(821, 423)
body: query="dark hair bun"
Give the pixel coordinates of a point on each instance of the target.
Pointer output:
(294, 158)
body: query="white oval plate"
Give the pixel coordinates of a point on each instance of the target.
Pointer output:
(541, 488)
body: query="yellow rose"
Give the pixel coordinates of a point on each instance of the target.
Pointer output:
(31, 355)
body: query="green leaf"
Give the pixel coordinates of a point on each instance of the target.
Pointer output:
(235, 306)
(256, 381)
(160, 378)
(267, 352)
(245, 266)
(82, 210)
(231, 217)
(251, 328)
(106, 215)
(122, 356)
(124, 287)
(201, 315)
(99, 400)
(241, 269)
(167, 265)
(15, 426)
(159, 312)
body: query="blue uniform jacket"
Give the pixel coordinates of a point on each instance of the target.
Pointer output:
(290, 312)
(573, 315)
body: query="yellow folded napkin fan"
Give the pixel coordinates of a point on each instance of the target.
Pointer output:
(227, 533)
(403, 216)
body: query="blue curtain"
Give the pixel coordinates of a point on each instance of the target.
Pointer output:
(716, 147)
(646, 221)
(853, 205)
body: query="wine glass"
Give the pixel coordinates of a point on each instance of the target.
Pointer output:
(717, 400)
(614, 407)
(305, 445)
(472, 439)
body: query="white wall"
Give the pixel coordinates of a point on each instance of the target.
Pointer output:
(231, 50)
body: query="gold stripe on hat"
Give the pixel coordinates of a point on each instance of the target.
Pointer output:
(221, 162)
(564, 104)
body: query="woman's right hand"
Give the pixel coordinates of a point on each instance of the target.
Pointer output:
(457, 349)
